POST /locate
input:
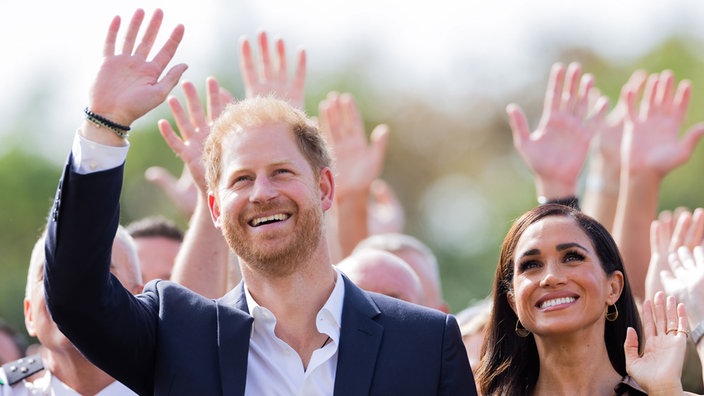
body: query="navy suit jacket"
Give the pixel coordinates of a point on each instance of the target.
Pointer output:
(171, 341)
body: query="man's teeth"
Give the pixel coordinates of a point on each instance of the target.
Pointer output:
(557, 301)
(276, 217)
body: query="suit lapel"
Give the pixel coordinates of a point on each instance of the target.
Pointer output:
(360, 339)
(234, 330)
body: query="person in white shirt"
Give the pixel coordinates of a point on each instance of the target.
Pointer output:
(65, 370)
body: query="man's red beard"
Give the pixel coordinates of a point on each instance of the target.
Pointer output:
(282, 260)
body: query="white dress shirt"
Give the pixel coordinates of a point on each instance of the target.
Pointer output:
(89, 156)
(275, 369)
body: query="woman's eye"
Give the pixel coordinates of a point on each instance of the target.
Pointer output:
(528, 264)
(574, 256)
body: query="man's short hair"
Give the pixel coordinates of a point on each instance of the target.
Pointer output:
(261, 111)
(155, 226)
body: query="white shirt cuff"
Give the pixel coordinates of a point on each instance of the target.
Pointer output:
(89, 156)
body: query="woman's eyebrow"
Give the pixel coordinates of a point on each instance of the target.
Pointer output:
(531, 252)
(565, 246)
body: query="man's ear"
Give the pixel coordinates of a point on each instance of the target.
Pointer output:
(327, 188)
(214, 209)
(28, 318)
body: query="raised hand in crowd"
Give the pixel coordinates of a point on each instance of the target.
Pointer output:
(272, 77)
(128, 85)
(600, 196)
(651, 148)
(358, 163)
(669, 233)
(556, 151)
(202, 262)
(658, 368)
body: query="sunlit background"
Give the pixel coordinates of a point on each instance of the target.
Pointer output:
(440, 73)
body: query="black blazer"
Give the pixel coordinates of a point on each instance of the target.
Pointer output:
(171, 341)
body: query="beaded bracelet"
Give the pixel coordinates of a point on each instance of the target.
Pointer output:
(98, 120)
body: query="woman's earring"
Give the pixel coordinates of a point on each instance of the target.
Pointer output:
(612, 315)
(521, 331)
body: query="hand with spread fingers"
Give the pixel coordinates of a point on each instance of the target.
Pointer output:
(659, 368)
(358, 163)
(651, 142)
(651, 148)
(685, 279)
(128, 85)
(272, 77)
(556, 151)
(194, 127)
(674, 266)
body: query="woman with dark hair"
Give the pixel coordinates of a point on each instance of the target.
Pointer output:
(562, 306)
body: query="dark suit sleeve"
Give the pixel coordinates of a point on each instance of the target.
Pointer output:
(456, 377)
(111, 327)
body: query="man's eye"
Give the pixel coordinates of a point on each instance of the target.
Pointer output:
(240, 179)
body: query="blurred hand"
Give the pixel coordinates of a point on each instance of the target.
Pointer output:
(194, 129)
(685, 279)
(357, 162)
(677, 261)
(651, 143)
(555, 152)
(271, 78)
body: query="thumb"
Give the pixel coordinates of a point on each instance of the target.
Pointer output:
(161, 177)
(381, 192)
(519, 125)
(379, 139)
(692, 137)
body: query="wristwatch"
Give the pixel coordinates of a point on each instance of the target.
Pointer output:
(698, 332)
